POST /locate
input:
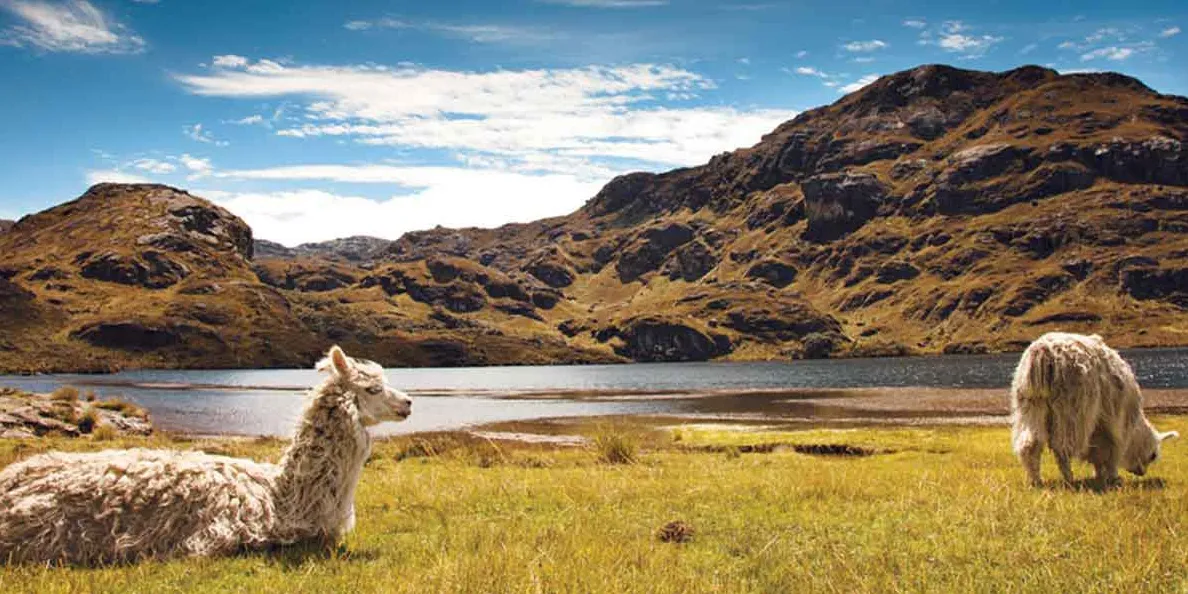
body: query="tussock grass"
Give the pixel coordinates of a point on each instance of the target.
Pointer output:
(105, 432)
(122, 406)
(615, 446)
(947, 511)
(65, 394)
(88, 421)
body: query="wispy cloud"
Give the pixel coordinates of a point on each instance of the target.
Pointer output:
(748, 7)
(865, 46)
(114, 176)
(198, 133)
(915, 23)
(1112, 52)
(1169, 32)
(858, 84)
(75, 26)
(601, 116)
(252, 120)
(154, 166)
(608, 3)
(957, 37)
(477, 33)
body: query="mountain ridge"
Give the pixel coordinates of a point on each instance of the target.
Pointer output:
(935, 210)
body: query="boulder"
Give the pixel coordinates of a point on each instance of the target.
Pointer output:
(149, 269)
(649, 249)
(1168, 283)
(839, 203)
(773, 272)
(691, 262)
(651, 339)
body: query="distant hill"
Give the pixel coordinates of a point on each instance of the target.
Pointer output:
(356, 249)
(5, 225)
(935, 210)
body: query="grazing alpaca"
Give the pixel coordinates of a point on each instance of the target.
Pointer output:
(127, 505)
(1077, 395)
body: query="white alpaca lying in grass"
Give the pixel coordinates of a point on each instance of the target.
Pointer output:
(1078, 396)
(126, 505)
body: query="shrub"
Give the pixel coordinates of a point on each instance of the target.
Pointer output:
(122, 406)
(616, 447)
(104, 432)
(65, 394)
(88, 421)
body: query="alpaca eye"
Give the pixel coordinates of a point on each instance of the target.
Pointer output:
(375, 390)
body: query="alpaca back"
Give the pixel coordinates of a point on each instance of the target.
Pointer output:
(125, 505)
(1073, 384)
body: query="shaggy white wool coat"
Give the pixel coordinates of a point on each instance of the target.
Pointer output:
(1077, 395)
(127, 505)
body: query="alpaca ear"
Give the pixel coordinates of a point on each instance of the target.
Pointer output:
(335, 362)
(338, 360)
(1168, 435)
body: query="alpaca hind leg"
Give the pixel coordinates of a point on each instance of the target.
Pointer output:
(1030, 436)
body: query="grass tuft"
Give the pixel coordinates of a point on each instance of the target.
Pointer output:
(88, 420)
(616, 447)
(122, 406)
(65, 394)
(104, 432)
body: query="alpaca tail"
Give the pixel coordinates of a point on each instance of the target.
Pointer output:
(1036, 376)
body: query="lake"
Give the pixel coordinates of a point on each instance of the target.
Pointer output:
(268, 402)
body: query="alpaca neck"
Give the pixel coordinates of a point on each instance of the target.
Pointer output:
(315, 488)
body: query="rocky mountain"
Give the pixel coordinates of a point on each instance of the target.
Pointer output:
(357, 249)
(936, 210)
(5, 225)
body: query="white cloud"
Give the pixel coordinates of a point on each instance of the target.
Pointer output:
(251, 120)
(196, 165)
(858, 84)
(915, 23)
(608, 3)
(952, 37)
(115, 176)
(1027, 49)
(865, 46)
(200, 134)
(810, 71)
(1169, 32)
(802, 53)
(477, 33)
(154, 166)
(527, 116)
(229, 61)
(454, 197)
(1110, 53)
(71, 26)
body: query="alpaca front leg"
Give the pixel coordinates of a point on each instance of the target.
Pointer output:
(1107, 469)
(1064, 462)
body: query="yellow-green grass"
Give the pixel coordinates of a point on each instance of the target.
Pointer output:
(948, 511)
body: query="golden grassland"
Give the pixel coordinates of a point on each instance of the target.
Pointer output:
(940, 509)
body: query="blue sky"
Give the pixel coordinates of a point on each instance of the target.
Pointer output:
(321, 120)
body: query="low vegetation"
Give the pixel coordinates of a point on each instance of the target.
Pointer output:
(932, 509)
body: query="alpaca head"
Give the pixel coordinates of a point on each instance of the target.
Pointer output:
(1144, 449)
(364, 381)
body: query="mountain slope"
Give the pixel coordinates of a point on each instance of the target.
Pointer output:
(935, 210)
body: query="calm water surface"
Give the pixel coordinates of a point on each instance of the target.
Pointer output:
(268, 402)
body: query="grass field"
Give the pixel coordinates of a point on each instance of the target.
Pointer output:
(942, 509)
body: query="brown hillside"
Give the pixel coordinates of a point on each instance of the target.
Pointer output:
(935, 210)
